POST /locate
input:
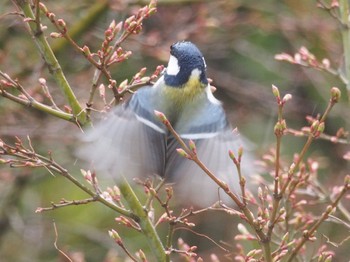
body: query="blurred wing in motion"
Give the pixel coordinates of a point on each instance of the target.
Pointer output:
(133, 143)
(213, 136)
(126, 143)
(191, 181)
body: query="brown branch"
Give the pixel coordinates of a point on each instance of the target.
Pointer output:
(29, 101)
(333, 139)
(29, 158)
(65, 203)
(190, 154)
(50, 59)
(315, 130)
(307, 234)
(279, 130)
(332, 12)
(114, 234)
(204, 236)
(193, 156)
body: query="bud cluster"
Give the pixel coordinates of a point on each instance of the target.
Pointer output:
(304, 58)
(6, 84)
(280, 101)
(186, 250)
(316, 127)
(139, 79)
(127, 222)
(60, 24)
(280, 127)
(133, 24)
(114, 193)
(281, 124)
(159, 70)
(110, 34)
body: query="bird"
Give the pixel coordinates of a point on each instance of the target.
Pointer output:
(132, 141)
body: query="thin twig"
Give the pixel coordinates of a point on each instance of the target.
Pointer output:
(51, 61)
(29, 158)
(332, 11)
(203, 235)
(47, 93)
(29, 101)
(279, 132)
(309, 233)
(333, 139)
(65, 203)
(248, 214)
(55, 243)
(306, 146)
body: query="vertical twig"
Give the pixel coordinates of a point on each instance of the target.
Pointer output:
(56, 246)
(51, 61)
(279, 131)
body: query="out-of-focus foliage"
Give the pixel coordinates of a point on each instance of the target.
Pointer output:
(239, 40)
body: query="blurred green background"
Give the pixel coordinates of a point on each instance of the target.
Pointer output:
(239, 40)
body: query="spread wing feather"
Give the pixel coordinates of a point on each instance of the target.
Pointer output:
(213, 136)
(191, 181)
(133, 143)
(124, 145)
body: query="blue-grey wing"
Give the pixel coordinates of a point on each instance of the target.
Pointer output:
(214, 137)
(127, 143)
(191, 181)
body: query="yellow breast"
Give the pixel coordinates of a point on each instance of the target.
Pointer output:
(178, 96)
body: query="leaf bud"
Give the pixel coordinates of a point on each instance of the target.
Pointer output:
(61, 23)
(114, 234)
(182, 153)
(142, 255)
(192, 146)
(161, 117)
(275, 91)
(55, 35)
(86, 50)
(314, 126)
(335, 94)
(43, 7)
(286, 98)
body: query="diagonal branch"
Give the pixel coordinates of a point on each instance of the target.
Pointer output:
(51, 60)
(307, 234)
(24, 157)
(245, 210)
(29, 101)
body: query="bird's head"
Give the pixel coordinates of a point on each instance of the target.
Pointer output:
(186, 64)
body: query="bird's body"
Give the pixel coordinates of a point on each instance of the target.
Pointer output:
(133, 142)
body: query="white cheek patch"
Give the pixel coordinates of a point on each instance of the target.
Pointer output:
(173, 66)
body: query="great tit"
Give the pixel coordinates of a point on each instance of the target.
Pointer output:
(133, 142)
